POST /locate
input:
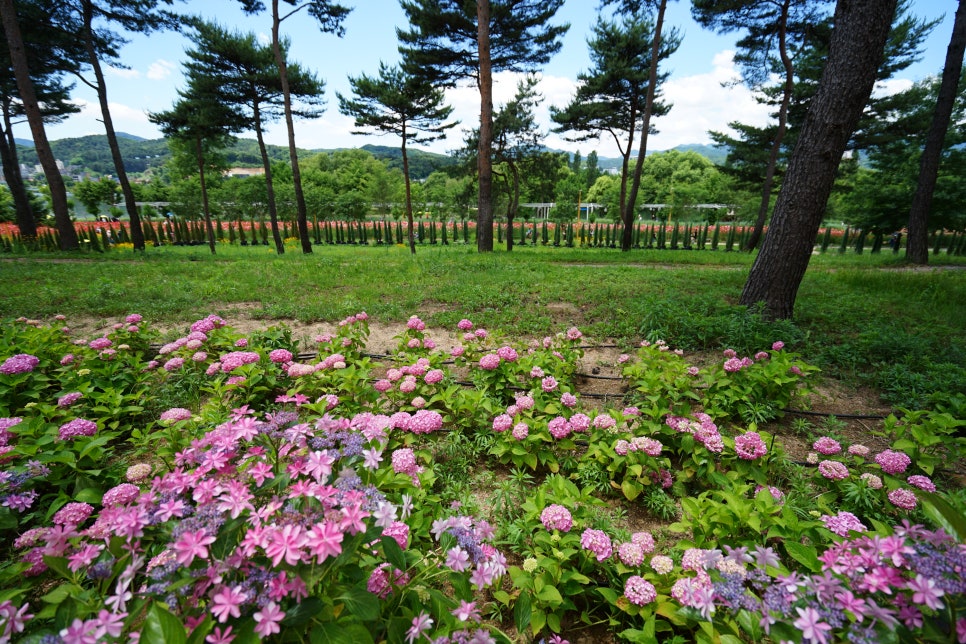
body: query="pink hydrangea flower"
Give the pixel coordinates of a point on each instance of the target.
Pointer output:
(69, 399)
(843, 523)
(750, 446)
(556, 517)
(921, 482)
(520, 431)
(548, 384)
(827, 445)
(73, 514)
(175, 414)
(489, 362)
(77, 427)
(464, 325)
(903, 498)
(639, 591)
(280, 356)
(597, 542)
(833, 470)
(20, 363)
(893, 462)
(778, 346)
(502, 423)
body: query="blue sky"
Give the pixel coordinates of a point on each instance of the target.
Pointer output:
(698, 69)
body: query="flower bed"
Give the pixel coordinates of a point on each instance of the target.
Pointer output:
(227, 488)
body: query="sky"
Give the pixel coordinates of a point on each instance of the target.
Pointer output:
(700, 86)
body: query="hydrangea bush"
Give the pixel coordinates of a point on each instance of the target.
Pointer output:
(214, 487)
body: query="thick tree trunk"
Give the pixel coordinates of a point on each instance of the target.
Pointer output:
(137, 234)
(58, 192)
(855, 53)
(484, 215)
(628, 214)
(269, 185)
(917, 246)
(11, 174)
(776, 144)
(301, 217)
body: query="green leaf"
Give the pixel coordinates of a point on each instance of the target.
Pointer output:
(522, 611)
(304, 611)
(550, 595)
(804, 555)
(944, 514)
(394, 554)
(631, 489)
(89, 495)
(162, 626)
(336, 633)
(363, 605)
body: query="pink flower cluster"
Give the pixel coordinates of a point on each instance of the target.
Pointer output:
(73, 514)
(556, 517)
(893, 462)
(280, 356)
(77, 427)
(843, 523)
(833, 470)
(827, 445)
(597, 542)
(233, 360)
(425, 421)
(208, 324)
(69, 399)
(20, 363)
(649, 446)
(175, 414)
(702, 428)
(750, 446)
(903, 498)
(489, 362)
(639, 591)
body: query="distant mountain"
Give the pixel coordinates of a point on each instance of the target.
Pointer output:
(92, 154)
(714, 154)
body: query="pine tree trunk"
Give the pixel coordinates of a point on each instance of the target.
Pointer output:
(484, 215)
(917, 247)
(409, 193)
(855, 53)
(137, 235)
(269, 184)
(58, 192)
(301, 217)
(199, 155)
(648, 108)
(11, 174)
(776, 144)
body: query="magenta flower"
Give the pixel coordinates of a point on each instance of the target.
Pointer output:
(639, 591)
(925, 591)
(548, 384)
(921, 482)
(466, 611)
(226, 603)
(520, 431)
(421, 625)
(810, 624)
(457, 559)
(192, 544)
(556, 517)
(833, 470)
(73, 514)
(267, 620)
(175, 414)
(69, 399)
(464, 325)
(630, 554)
(903, 498)
(778, 346)
(489, 362)
(280, 356)
(893, 462)
(827, 445)
(597, 542)
(750, 446)
(843, 523)
(77, 427)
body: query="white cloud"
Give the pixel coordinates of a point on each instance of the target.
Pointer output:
(127, 74)
(160, 69)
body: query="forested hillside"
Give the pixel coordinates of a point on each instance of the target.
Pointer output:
(92, 154)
